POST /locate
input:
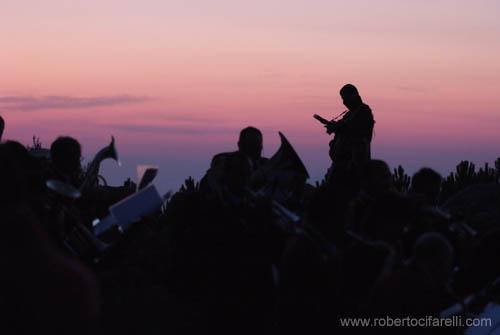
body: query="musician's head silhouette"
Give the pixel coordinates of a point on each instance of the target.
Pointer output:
(250, 142)
(378, 177)
(65, 153)
(16, 172)
(350, 96)
(2, 126)
(427, 183)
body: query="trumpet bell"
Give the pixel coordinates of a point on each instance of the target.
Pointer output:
(92, 173)
(113, 152)
(108, 151)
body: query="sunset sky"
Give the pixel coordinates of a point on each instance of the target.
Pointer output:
(175, 81)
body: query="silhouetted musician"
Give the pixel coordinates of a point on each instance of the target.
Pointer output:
(351, 147)
(231, 171)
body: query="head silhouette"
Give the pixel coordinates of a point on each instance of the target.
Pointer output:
(250, 142)
(378, 177)
(2, 127)
(65, 153)
(427, 183)
(17, 169)
(350, 96)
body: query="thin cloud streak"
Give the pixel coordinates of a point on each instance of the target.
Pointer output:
(172, 130)
(31, 104)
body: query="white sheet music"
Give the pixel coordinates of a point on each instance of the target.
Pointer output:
(136, 206)
(131, 210)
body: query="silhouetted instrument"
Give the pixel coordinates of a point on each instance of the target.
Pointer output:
(83, 243)
(283, 177)
(63, 189)
(320, 119)
(282, 181)
(288, 221)
(92, 173)
(325, 121)
(75, 237)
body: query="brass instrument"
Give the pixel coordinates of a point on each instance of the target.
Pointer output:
(287, 220)
(283, 177)
(321, 119)
(83, 243)
(69, 229)
(282, 180)
(92, 173)
(63, 189)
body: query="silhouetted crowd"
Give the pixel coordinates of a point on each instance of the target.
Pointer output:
(251, 248)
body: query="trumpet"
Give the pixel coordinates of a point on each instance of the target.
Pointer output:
(92, 173)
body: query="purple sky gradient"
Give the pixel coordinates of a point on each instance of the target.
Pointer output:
(174, 81)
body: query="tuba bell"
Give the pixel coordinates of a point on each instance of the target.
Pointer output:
(283, 177)
(282, 180)
(92, 172)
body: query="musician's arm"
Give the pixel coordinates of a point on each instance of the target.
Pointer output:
(358, 120)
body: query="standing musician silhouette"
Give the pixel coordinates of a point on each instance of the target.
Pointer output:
(350, 149)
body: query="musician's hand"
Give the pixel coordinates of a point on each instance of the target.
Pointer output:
(330, 127)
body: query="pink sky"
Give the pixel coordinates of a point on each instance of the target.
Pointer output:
(174, 81)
